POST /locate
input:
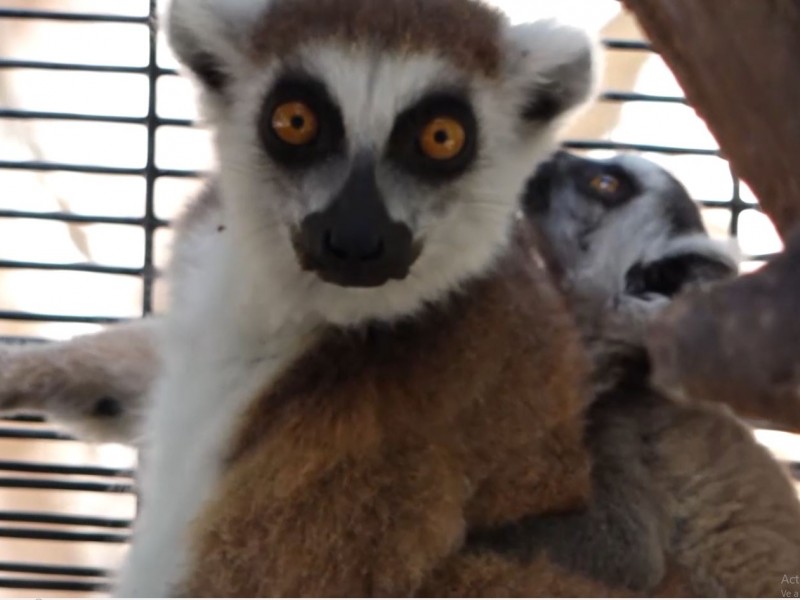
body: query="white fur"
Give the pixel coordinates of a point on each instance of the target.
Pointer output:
(219, 25)
(243, 307)
(541, 51)
(210, 375)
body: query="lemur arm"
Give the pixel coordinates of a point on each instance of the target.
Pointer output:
(622, 537)
(96, 385)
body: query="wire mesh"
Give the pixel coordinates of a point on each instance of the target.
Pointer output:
(91, 528)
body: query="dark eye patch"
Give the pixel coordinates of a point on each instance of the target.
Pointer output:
(404, 148)
(625, 188)
(329, 140)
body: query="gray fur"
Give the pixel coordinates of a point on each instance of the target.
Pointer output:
(687, 484)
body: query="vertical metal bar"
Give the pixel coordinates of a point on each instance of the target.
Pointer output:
(150, 221)
(737, 204)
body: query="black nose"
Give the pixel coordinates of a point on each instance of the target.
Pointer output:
(355, 246)
(354, 242)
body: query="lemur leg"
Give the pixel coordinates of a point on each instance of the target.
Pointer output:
(96, 385)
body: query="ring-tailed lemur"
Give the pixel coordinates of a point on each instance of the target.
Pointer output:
(687, 482)
(319, 427)
(623, 237)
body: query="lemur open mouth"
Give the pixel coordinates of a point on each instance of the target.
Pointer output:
(669, 276)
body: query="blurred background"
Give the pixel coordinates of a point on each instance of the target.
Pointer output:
(98, 152)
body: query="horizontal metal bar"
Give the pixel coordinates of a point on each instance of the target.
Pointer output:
(624, 146)
(6, 315)
(53, 166)
(619, 44)
(66, 486)
(94, 169)
(180, 173)
(23, 467)
(28, 115)
(72, 520)
(40, 65)
(64, 571)
(173, 122)
(617, 96)
(47, 15)
(75, 268)
(21, 418)
(53, 584)
(760, 257)
(728, 204)
(33, 434)
(80, 219)
(62, 536)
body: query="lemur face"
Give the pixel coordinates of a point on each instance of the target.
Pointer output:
(376, 149)
(624, 225)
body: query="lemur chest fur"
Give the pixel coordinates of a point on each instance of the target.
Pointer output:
(446, 406)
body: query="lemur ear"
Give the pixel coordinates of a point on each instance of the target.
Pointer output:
(211, 37)
(552, 67)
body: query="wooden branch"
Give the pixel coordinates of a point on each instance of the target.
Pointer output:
(738, 343)
(739, 63)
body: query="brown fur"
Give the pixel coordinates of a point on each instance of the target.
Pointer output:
(735, 513)
(364, 466)
(467, 33)
(494, 575)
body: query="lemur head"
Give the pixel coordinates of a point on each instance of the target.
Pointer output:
(623, 237)
(371, 153)
(623, 226)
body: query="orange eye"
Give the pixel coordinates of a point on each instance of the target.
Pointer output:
(295, 123)
(443, 138)
(606, 184)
